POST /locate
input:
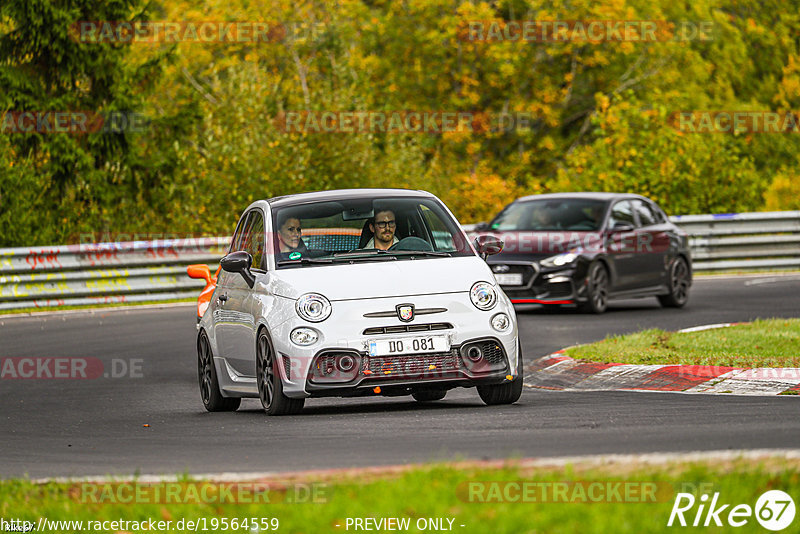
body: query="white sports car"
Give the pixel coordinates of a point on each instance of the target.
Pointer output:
(355, 292)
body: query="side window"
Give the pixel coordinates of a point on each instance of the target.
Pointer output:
(660, 217)
(239, 234)
(254, 238)
(442, 239)
(646, 215)
(622, 212)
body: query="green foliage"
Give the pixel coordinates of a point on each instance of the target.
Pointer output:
(762, 343)
(635, 150)
(59, 184)
(599, 110)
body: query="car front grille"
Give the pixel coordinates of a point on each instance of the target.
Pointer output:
(412, 365)
(493, 352)
(558, 289)
(403, 328)
(528, 272)
(287, 365)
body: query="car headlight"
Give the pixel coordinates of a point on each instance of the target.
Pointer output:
(501, 322)
(304, 336)
(313, 307)
(483, 295)
(560, 260)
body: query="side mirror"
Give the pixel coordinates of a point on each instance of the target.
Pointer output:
(239, 262)
(487, 245)
(199, 271)
(620, 227)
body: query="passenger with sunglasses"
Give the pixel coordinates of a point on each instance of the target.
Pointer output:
(382, 227)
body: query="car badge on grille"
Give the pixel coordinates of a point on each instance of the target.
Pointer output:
(501, 268)
(405, 312)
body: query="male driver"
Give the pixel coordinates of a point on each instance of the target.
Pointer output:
(382, 227)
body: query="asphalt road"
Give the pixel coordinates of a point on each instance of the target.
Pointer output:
(95, 427)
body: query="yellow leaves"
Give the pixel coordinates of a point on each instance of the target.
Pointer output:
(547, 143)
(479, 195)
(602, 102)
(783, 193)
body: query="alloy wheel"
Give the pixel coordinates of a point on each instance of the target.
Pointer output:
(266, 371)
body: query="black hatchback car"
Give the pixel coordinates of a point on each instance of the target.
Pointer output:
(585, 249)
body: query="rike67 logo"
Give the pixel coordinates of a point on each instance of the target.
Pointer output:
(774, 510)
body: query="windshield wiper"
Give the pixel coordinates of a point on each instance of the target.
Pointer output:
(421, 253)
(366, 253)
(304, 261)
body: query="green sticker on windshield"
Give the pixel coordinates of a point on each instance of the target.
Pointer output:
(294, 255)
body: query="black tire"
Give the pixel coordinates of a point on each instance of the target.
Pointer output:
(270, 385)
(507, 393)
(207, 378)
(597, 290)
(678, 283)
(429, 395)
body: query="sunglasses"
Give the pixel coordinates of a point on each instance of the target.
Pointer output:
(384, 224)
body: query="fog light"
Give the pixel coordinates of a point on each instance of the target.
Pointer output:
(346, 363)
(474, 354)
(304, 336)
(501, 322)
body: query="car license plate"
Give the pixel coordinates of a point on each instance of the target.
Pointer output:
(510, 279)
(408, 345)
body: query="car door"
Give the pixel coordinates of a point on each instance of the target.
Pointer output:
(652, 245)
(621, 245)
(234, 317)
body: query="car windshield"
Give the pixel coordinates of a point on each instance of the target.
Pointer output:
(356, 230)
(577, 214)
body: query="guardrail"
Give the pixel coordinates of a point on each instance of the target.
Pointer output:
(137, 271)
(100, 273)
(743, 241)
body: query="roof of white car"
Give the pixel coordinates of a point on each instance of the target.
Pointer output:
(342, 194)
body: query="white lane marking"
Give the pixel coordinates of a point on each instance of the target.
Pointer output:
(769, 280)
(704, 327)
(750, 387)
(704, 277)
(788, 374)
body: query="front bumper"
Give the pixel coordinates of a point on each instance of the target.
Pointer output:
(405, 374)
(349, 331)
(566, 285)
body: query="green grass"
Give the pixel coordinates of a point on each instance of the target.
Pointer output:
(763, 343)
(441, 492)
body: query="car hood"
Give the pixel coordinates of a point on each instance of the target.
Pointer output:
(537, 245)
(385, 278)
